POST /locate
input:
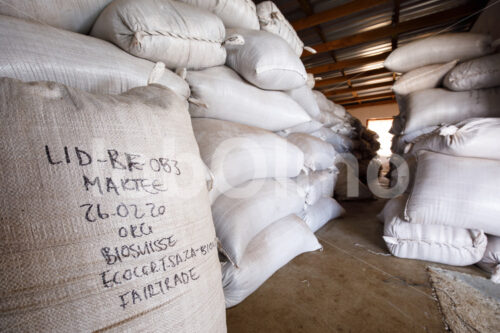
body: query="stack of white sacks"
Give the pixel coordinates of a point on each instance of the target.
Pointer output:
(269, 193)
(270, 142)
(449, 132)
(356, 145)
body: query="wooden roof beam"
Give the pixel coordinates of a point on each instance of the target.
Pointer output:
(395, 22)
(364, 98)
(359, 88)
(389, 31)
(342, 79)
(365, 104)
(347, 63)
(335, 13)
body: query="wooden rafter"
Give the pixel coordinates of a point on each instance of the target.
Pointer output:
(403, 27)
(395, 22)
(347, 63)
(358, 88)
(335, 13)
(364, 98)
(341, 79)
(365, 104)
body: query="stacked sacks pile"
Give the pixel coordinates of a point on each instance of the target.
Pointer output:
(272, 20)
(428, 94)
(269, 193)
(366, 148)
(98, 110)
(36, 52)
(356, 144)
(245, 85)
(450, 137)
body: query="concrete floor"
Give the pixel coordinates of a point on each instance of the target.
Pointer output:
(352, 286)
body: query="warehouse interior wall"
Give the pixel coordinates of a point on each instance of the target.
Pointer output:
(375, 112)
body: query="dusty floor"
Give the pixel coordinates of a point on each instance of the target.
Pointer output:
(349, 287)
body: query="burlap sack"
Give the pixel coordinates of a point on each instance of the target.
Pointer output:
(105, 221)
(234, 13)
(174, 33)
(74, 15)
(33, 52)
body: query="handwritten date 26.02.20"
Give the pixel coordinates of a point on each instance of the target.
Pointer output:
(95, 212)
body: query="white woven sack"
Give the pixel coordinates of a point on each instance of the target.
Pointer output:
(400, 142)
(234, 13)
(491, 259)
(265, 60)
(73, 15)
(177, 34)
(307, 127)
(459, 192)
(436, 243)
(327, 105)
(317, 184)
(344, 129)
(311, 81)
(439, 106)
(225, 95)
(341, 143)
(272, 20)
(427, 77)
(476, 137)
(398, 123)
(318, 154)
(329, 119)
(270, 250)
(438, 49)
(323, 102)
(237, 153)
(106, 223)
(305, 98)
(241, 213)
(478, 73)
(34, 52)
(322, 212)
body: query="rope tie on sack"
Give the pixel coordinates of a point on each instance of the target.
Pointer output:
(182, 72)
(156, 73)
(478, 238)
(210, 179)
(449, 133)
(310, 49)
(448, 130)
(235, 39)
(197, 102)
(397, 241)
(264, 21)
(138, 35)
